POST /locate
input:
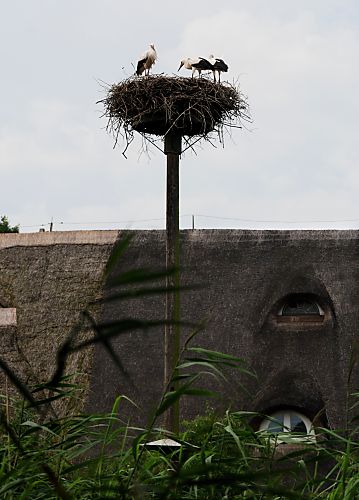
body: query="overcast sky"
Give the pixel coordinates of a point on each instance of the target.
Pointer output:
(296, 164)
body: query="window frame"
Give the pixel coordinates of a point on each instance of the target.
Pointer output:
(300, 318)
(287, 435)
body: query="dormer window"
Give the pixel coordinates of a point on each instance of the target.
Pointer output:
(288, 425)
(300, 308)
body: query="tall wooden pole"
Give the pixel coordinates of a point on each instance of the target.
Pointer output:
(173, 143)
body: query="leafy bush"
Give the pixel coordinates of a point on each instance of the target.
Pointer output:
(5, 226)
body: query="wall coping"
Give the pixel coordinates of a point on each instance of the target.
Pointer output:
(108, 237)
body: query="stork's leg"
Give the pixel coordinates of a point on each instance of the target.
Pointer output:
(219, 77)
(214, 75)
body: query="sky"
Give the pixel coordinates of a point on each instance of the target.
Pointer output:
(294, 167)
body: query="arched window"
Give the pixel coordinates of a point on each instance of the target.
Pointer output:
(288, 424)
(300, 307)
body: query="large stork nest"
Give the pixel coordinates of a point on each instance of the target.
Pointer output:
(158, 104)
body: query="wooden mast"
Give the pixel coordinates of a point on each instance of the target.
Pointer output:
(172, 149)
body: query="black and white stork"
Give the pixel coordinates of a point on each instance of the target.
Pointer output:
(218, 65)
(146, 61)
(199, 64)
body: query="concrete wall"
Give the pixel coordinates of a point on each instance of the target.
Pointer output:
(245, 275)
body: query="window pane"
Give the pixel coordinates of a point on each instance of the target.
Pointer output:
(300, 307)
(276, 425)
(297, 424)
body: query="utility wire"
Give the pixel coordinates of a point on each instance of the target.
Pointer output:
(97, 222)
(258, 221)
(276, 220)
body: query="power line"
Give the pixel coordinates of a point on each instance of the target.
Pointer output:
(96, 222)
(276, 220)
(217, 217)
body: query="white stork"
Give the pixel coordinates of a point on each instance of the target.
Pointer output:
(218, 65)
(199, 64)
(146, 61)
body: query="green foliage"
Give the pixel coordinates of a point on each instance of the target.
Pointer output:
(5, 226)
(96, 456)
(198, 430)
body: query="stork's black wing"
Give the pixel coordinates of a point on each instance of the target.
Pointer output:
(203, 64)
(140, 67)
(220, 65)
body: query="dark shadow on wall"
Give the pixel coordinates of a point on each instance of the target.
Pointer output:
(292, 389)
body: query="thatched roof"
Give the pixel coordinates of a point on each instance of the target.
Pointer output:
(156, 104)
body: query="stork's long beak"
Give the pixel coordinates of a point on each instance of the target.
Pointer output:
(180, 66)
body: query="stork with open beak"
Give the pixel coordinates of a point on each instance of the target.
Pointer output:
(146, 61)
(199, 64)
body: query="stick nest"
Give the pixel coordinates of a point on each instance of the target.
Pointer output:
(159, 104)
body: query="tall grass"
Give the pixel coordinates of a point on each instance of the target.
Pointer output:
(96, 456)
